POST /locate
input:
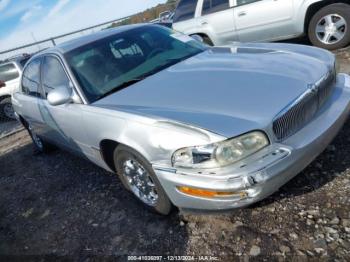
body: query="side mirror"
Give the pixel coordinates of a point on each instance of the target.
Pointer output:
(198, 38)
(59, 96)
(2, 84)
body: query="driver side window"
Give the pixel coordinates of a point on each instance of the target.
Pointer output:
(53, 74)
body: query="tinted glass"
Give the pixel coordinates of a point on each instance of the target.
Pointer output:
(107, 65)
(185, 10)
(244, 2)
(8, 72)
(53, 74)
(31, 79)
(212, 6)
(206, 7)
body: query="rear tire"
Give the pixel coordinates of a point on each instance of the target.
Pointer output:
(6, 110)
(40, 145)
(329, 28)
(141, 180)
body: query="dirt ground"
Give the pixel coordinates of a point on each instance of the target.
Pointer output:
(62, 206)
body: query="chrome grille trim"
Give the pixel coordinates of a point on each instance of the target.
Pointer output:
(296, 115)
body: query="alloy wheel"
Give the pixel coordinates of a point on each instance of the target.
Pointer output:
(37, 141)
(8, 111)
(331, 29)
(140, 182)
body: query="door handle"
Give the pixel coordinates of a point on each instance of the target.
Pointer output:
(204, 23)
(243, 13)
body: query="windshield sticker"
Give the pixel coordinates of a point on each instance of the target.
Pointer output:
(182, 38)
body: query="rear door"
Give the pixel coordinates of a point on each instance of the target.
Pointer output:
(217, 17)
(263, 20)
(27, 99)
(184, 17)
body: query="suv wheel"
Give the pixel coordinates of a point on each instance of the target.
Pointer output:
(330, 27)
(6, 109)
(137, 175)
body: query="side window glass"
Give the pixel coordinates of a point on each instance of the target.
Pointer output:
(206, 7)
(212, 6)
(31, 79)
(245, 2)
(8, 72)
(185, 10)
(53, 74)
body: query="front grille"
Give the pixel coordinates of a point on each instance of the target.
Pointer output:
(304, 108)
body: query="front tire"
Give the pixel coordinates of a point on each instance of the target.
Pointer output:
(329, 28)
(6, 109)
(137, 175)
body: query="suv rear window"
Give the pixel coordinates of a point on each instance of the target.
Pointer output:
(8, 72)
(185, 10)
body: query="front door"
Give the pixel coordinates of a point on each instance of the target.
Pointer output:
(263, 20)
(63, 122)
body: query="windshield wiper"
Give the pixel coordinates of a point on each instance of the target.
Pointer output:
(120, 87)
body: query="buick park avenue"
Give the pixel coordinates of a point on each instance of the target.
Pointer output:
(181, 123)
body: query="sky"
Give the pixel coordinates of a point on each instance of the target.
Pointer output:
(21, 21)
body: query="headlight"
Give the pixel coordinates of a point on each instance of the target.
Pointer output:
(222, 153)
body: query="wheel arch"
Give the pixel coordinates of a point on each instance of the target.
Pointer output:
(108, 146)
(23, 121)
(4, 97)
(315, 7)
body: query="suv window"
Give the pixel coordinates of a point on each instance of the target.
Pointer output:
(245, 2)
(31, 79)
(53, 74)
(212, 6)
(185, 10)
(8, 72)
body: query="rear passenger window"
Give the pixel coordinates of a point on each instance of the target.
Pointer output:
(212, 6)
(185, 10)
(53, 74)
(245, 2)
(8, 72)
(31, 79)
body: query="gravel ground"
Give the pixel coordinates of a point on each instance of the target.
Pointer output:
(7, 127)
(59, 205)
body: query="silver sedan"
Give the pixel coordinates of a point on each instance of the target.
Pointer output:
(182, 123)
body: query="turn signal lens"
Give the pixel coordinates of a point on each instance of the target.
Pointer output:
(210, 194)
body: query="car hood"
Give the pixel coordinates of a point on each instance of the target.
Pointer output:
(226, 90)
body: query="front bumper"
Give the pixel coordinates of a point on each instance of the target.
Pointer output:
(264, 173)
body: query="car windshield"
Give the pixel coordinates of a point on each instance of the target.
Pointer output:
(115, 62)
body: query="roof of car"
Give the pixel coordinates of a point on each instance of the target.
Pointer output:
(75, 43)
(15, 59)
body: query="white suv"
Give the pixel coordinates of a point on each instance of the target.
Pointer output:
(219, 22)
(10, 74)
